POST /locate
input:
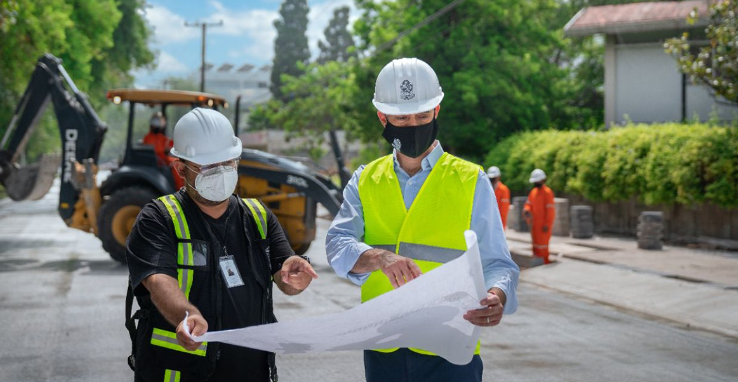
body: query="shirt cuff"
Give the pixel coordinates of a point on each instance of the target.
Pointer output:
(511, 305)
(359, 278)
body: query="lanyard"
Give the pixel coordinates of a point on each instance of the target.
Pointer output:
(222, 243)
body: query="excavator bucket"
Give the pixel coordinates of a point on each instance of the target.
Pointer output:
(30, 182)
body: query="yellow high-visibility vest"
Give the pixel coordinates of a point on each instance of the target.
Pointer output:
(431, 232)
(185, 274)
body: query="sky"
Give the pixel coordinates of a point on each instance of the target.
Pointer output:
(246, 36)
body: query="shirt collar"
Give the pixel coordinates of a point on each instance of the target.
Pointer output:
(429, 161)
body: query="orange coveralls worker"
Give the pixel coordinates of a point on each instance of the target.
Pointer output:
(541, 208)
(162, 144)
(502, 193)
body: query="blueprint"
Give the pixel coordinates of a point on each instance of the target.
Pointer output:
(425, 313)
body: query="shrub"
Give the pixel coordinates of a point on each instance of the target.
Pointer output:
(659, 164)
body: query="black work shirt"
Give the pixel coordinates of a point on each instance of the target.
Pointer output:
(152, 249)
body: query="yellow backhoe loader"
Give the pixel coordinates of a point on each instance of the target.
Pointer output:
(290, 189)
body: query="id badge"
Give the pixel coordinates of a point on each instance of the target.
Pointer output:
(230, 271)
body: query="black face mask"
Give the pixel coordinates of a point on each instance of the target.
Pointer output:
(412, 140)
(537, 185)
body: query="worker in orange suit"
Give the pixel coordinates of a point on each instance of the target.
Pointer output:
(158, 138)
(539, 213)
(502, 193)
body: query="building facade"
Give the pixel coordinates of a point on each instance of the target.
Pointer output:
(642, 82)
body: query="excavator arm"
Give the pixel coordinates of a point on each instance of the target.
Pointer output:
(81, 132)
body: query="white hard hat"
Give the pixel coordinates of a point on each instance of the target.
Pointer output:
(158, 120)
(407, 86)
(205, 136)
(493, 172)
(537, 175)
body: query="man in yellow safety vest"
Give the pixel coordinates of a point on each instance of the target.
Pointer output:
(404, 214)
(206, 259)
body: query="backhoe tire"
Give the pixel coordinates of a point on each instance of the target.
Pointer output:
(117, 216)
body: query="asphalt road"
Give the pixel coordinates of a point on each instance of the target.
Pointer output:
(62, 300)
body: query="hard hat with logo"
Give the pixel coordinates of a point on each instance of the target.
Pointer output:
(205, 136)
(493, 172)
(537, 175)
(407, 86)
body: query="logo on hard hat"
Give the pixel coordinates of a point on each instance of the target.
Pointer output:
(407, 90)
(396, 144)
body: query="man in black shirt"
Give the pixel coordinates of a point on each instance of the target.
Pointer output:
(209, 254)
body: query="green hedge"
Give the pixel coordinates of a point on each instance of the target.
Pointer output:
(659, 164)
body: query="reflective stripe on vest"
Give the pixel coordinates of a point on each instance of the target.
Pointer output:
(388, 247)
(172, 375)
(184, 245)
(428, 252)
(422, 252)
(259, 217)
(431, 231)
(167, 339)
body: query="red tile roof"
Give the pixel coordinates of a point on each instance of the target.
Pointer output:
(635, 17)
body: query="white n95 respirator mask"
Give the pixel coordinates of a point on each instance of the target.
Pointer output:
(216, 184)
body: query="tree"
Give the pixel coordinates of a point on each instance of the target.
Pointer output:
(130, 47)
(716, 64)
(505, 66)
(291, 44)
(83, 34)
(260, 116)
(339, 44)
(320, 103)
(8, 12)
(493, 60)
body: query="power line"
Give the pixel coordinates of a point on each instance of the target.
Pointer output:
(204, 27)
(324, 7)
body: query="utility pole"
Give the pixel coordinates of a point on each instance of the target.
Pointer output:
(204, 27)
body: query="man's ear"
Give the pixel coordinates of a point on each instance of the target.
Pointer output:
(382, 118)
(179, 166)
(438, 109)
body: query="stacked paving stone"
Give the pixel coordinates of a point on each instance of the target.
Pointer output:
(582, 226)
(517, 222)
(650, 229)
(561, 221)
(512, 216)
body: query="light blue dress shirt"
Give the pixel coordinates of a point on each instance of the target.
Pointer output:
(344, 240)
